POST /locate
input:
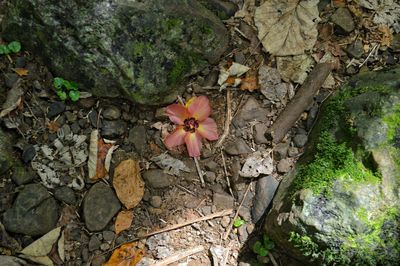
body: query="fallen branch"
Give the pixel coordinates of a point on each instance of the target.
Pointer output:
(179, 256)
(176, 226)
(299, 103)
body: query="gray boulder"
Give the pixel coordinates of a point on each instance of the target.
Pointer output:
(34, 212)
(341, 205)
(141, 50)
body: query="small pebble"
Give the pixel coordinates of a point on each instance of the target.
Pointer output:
(156, 201)
(55, 109)
(300, 140)
(94, 243)
(112, 113)
(104, 246)
(283, 166)
(210, 177)
(108, 236)
(28, 154)
(225, 221)
(293, 151)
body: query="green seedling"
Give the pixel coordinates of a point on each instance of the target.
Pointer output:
(238, 222)
(263, 247)
(65, 89)
(12, 47)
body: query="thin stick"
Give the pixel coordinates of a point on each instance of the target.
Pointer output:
(236, 214)
(228, 119)
(196, 161)
(369, 55)
(186, 190)
(226, 173)
(179, 256)
(271, 257)
(173, 227)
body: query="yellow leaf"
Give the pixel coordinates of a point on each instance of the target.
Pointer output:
(123, 221)
(128, 183)
(126, 255)
(249, 83)
(21, 71)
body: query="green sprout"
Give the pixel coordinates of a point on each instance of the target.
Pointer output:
(65, 89)
(263, 247)
(12, 47)
(238, 222)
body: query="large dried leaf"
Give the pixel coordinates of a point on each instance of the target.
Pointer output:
(123, 221)
(39, 250)
(128, 183)
(126, 255)
(14, 99)
(256, 164)
(294, 68)
(100, 153)
(287, 27)
(387, 12)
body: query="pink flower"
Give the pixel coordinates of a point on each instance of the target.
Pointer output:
(193, 124)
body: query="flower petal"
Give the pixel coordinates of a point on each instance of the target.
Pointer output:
(193, 144)
(177, 113)
(208, 129)
(199, 107)
(176, 138)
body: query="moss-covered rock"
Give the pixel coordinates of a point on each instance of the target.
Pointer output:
(7, 157)
(142, 50)
(341, 204)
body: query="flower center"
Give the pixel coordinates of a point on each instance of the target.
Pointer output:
(190, 125)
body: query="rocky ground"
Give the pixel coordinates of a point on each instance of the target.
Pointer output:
(43, 125)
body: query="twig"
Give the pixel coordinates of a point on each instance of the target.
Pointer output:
(196, 161)
(179, 256)
(369, 55)
(299, 103)
(228, 119)
(236, 214)
(186, 190)
(271, 257)
(173, 227)
(226, 173)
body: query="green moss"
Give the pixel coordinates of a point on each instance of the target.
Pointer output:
(182, 67)
(393, 122)
(139, 48)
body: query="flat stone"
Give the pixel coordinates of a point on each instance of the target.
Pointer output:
(223, 200)
(343, 19)
(137, 136)
(281, 150)
(259, 134)
(293, 151)
(265, 191)
(65, 194)
(245, 213)
(34, 212)
(300, 140)
(113, 129)
(250, 112)
(225, 221)
(243, 235)
(98, 260)
(211, 166)
(156, 201)
(356, 49)
(55, 109)
(94, 243)
(99, 206)
(210, 177)
(10, 79)
(108, 236)
(28, 154)
(237, 147)
(283, 166)
(75, 128)
(156, 178)
(112, 113)
(22, 176)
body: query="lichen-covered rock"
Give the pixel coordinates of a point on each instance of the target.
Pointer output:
(341, 205)
(139, 49)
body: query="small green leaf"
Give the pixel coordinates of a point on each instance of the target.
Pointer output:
(238, 222)
(14, 46)
(74, 95)
(263, 252)
(58, 82)
(62, 95)
(73, 85)
(256, 247)
(4, 49)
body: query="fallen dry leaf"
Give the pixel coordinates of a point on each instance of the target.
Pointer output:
(21, 71)
(294, 68)
(126, 255)
(128, 183)
(123, 221)
(14, 99)
(99, 156)
(53, 127)
(249, 83)
(287, 27)
(386, 35)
